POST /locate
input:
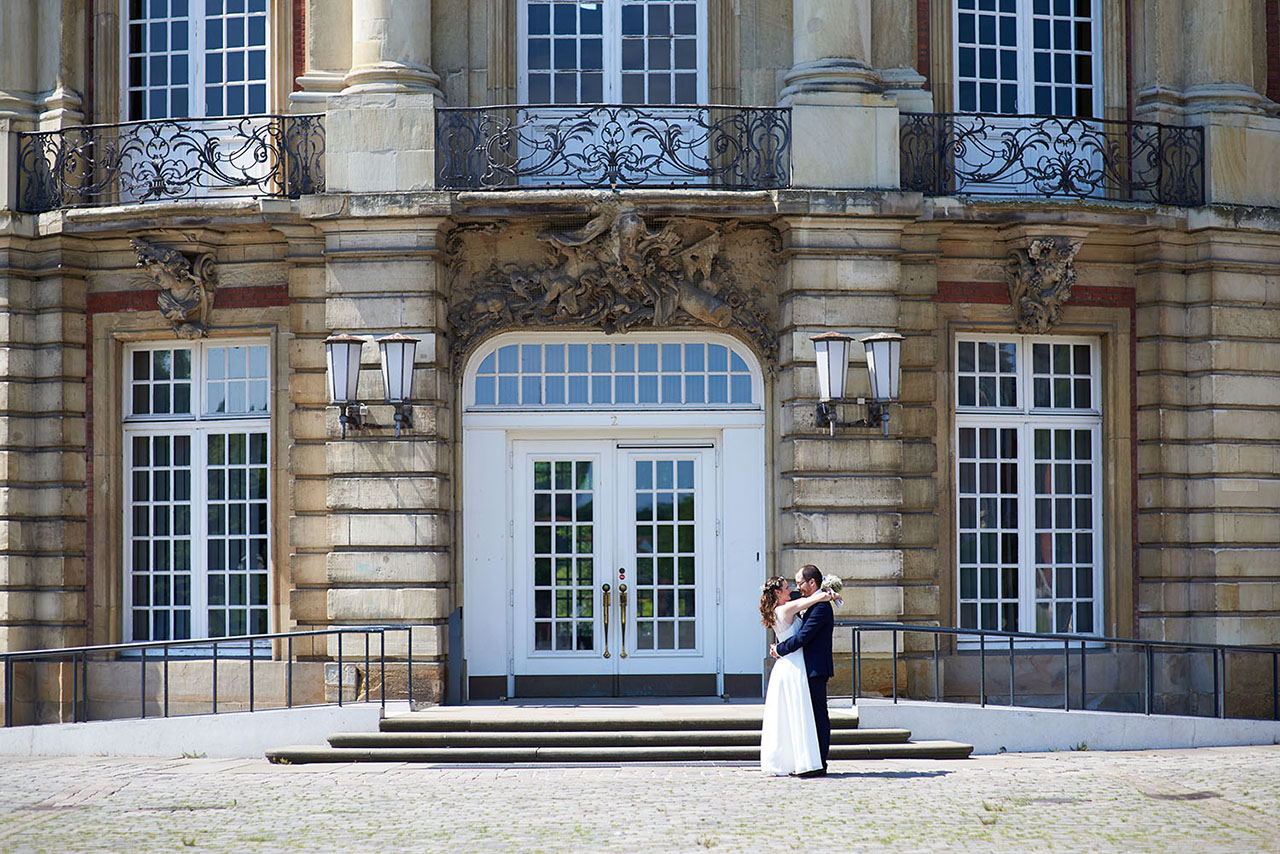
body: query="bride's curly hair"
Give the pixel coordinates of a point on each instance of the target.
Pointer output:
(768, 599)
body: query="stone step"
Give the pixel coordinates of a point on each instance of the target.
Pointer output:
(447, 721)
(687, 753)
(602, 739)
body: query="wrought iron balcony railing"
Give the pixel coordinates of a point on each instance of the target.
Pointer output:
(615, 147)
(136, 162)
(1052, 156)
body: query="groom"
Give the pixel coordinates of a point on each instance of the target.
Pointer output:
(814, 637)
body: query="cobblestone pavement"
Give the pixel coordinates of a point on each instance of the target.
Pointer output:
(1211, 799)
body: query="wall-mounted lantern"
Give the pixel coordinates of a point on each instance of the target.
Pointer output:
(398, 352)
(343, 352)
(884, 368)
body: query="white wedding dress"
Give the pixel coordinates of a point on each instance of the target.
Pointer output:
(789, 738)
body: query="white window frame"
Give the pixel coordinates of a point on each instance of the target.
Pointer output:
(1026, 418)
(197, 65)
(612, 53)
(1026, 52)
(198, 425)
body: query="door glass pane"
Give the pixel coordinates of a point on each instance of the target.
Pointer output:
(237, 533)
(666, 556)
(563, 555)
(1064, 529)
(988, 527)
(159, 552)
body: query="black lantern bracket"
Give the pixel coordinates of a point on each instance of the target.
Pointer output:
(403, 416)
(877, 415)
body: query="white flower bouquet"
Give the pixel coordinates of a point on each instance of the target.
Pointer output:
(832, 583)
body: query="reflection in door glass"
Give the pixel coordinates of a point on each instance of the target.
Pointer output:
(665, 555)
(563, 555)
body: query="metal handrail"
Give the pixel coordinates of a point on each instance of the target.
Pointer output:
(280, 156)
(997, 154)
(79, 656)
(1219, 652)
(613, 146)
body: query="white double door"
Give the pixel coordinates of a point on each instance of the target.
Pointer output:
(615, 568)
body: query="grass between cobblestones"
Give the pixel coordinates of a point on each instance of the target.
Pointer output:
(1221, 799)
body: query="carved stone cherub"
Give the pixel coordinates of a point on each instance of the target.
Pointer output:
(186, 286)
(1040, 281)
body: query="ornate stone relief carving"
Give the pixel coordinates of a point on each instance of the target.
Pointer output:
(614, 273)
(1040, 281)
(186, 286)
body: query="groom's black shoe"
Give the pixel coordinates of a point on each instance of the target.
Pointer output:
(816, 772)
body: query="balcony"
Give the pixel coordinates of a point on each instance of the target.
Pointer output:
(163, 160)
(1052, 157)
(613, 147)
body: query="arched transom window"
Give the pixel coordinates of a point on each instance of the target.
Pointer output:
(593, 371)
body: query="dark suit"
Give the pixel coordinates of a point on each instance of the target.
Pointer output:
(814, 637)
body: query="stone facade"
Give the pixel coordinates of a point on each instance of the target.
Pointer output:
(1182, 302)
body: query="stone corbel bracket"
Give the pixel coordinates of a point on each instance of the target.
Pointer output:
(1040, 280)
(187, 285)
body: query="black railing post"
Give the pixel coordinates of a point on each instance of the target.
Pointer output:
(982, 668)
(215, 677)
(409, 648)
(251, 673)
(893, 642)
(288, 675)
(937, 673)
(1222, 708)
(1275, 686)
(75, 688)
(382, 659)
(1151, 679)
(142, 682)
(339, 667)
(1083, 701)
(166, 680)
(1214, 653)
(8, 691)
(366, 667)
(1066, 675)
(1011, 702)
(857, 664)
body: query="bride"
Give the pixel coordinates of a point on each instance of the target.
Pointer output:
(789, 739)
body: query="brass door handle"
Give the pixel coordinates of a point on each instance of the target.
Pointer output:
(604, 588)
(622, 603)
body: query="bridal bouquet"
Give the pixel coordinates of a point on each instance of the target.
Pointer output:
(832, 583)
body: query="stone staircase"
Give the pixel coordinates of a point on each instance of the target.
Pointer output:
(543, 733)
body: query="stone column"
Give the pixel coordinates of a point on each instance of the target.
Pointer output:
(1194, 65)
(844, 132)
(894, 54)
(831, 47)
(380, 131)
(1218, 69)
(17, 59)
(327, 43)
(391, 47)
